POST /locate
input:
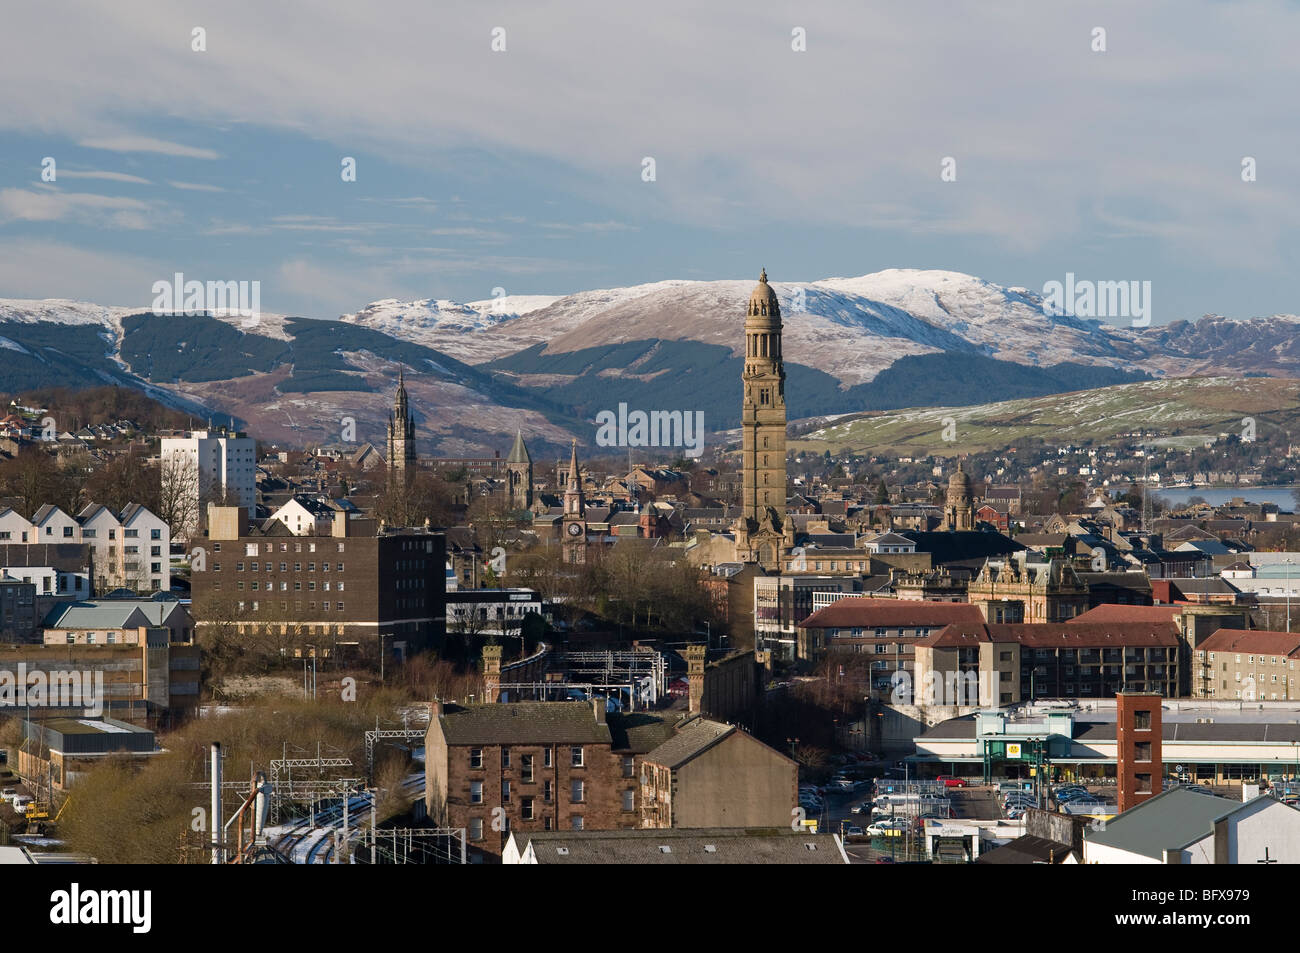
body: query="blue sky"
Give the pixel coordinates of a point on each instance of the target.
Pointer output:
(522, 169)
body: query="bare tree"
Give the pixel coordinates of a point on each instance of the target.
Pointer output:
(178, 495)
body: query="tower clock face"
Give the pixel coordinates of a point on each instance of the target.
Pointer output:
(574, 529)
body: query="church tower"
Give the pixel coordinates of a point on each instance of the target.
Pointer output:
(959, 508)
(573, 524)
(519, 475)
(401, 431)
(762, 531)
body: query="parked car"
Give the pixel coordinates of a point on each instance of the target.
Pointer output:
(1015, 814)
(950, 781)
(855, 831)
(863, 808)
(892, 828)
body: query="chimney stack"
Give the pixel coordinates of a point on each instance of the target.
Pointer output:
(695, 677)
(598, 707)
(491, 673)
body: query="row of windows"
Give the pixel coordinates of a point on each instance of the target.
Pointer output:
(476, 825)
(251, 549)
(284, 586)
(1263, 660)
(284, 567)
(577, 794)
(575, 757)
(68, 533)
(297, 606)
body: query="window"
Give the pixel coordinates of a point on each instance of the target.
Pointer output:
(629, 765)
(629, 800)
(576, 756)
(546, 758)
(1142, 720)
(505, 757)
(1142, 751)
(546, 791)
(576, 822)
(576, 792)
(526, 768)
(476, 828)
(476, 792)
(505, 792)
(526, 808)
(476, 757)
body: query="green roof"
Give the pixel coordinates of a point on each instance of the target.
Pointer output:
(110, 614)
(1169, 821)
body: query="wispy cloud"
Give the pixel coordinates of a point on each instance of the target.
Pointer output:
(148, 144)
(195, 187)
(106, 176)
(21, 205)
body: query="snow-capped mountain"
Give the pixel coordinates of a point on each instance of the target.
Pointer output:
(853, 328)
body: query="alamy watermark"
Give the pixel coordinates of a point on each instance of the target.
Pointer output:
(657, 428)
(55, 688)
(955, 689)
(1099, 299)
(179, 296)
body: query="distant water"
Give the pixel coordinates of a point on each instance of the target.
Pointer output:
(1283, 496)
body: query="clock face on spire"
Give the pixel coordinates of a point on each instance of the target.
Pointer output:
(575, 529)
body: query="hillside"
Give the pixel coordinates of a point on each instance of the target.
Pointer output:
(1176, 406)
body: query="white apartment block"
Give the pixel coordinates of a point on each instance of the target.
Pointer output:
(128, 550)
(216, 459)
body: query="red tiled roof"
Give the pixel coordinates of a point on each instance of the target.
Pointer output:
(1119, 613)
(1046, 635)
(864, 611)
(1255, 641)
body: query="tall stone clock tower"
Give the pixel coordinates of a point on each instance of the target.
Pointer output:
(573, 524)
(763, 532)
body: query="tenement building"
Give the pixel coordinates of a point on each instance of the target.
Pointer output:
(365, 583)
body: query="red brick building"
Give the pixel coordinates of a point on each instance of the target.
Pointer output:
(1139, 767)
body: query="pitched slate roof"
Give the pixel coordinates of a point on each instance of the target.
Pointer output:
(1170, 820)
(1046, 635)
(1255, 641)
(110, 614)
(1027, 849)
(695, 738)
(524, 723)
(867, 612)
(701, 846)
(1120, 613)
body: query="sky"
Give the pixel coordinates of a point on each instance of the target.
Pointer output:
(523, 168)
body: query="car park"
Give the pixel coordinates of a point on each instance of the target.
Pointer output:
(892, 828)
